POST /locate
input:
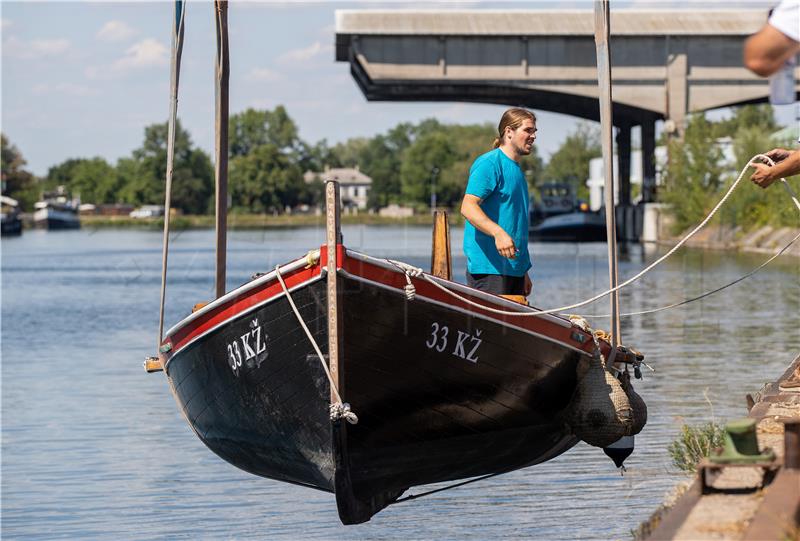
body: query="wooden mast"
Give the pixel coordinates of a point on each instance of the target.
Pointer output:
(222, 73)
(601, 39)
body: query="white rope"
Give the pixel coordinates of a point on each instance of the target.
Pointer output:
(409, 271)
(339, 409)
(535, 312)
(707, 293)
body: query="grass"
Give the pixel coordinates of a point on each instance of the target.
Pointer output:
(693, 444)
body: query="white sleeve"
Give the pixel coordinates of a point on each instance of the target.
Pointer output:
(786, 18)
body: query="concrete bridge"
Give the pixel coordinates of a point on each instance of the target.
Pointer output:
(665, 64)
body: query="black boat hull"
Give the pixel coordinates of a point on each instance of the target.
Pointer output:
(11, 227)
(441, 392)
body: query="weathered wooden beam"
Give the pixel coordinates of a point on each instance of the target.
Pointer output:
(601, 39)
(222, 74)
(333, 238)
(441, 262)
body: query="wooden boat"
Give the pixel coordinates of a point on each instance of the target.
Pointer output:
(442, 390)
(362, 376)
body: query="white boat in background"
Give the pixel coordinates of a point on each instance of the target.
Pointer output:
(57, 210)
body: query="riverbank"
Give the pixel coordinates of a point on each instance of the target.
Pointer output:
(744, 503)
(256, 221)
(763, 240)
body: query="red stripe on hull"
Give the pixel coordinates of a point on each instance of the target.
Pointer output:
(538, 325)
(244, 301)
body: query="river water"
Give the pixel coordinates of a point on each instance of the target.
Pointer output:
(94, 448)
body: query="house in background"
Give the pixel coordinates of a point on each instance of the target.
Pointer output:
(353, 184)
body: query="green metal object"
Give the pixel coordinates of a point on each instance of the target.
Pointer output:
(740, 445)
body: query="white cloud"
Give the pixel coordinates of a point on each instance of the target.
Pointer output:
(49, 47)
(144, 54)
(6, 23)
(39, 48)
(305, 54)
(69, 89)
(116, 31)
(263, 74)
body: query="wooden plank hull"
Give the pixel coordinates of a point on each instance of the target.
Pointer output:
(442, 391)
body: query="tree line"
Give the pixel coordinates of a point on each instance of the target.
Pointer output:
(267, 160)
(698, 173)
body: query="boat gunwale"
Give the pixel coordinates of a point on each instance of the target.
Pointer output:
(485, 317)
(287, 267)
(461, 288)
(493, 301)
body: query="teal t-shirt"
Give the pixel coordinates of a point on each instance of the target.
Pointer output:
(500, 184)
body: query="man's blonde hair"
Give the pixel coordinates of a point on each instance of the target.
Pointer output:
(512, 118)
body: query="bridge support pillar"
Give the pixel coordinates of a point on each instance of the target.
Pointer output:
(648, 160)
(677, 89)
(626, 223)
(624, 164)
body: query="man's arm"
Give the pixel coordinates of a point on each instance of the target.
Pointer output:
(786, 167)
(471, 211)
(767, 50)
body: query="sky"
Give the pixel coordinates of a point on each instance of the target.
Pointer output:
(83, 79)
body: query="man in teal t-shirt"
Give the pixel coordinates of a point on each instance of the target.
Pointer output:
(495, 207)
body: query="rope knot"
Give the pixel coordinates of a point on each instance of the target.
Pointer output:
(408, 271)
(341, 410)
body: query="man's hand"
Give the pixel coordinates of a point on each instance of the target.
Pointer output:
(528, 284)
(763, 175)
(777, 155)
(504, 244)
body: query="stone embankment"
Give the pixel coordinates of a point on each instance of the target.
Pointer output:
(765, 240)
(745, 502)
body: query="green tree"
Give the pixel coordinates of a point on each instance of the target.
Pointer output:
(253, 128)
(18, 183)
(265, 180)
(747, 116)
(570, 163)
(143, 178)
(350, 152)
(694, 172)
(428, 155)
(94, 180)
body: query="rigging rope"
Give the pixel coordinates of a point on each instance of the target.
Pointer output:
(708, 293)
(410, 270)
(338, 409)
(175, 70)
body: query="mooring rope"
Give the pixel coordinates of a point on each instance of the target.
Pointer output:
(707, 293)
(410, 270)
(338, 409)
(448, 487)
